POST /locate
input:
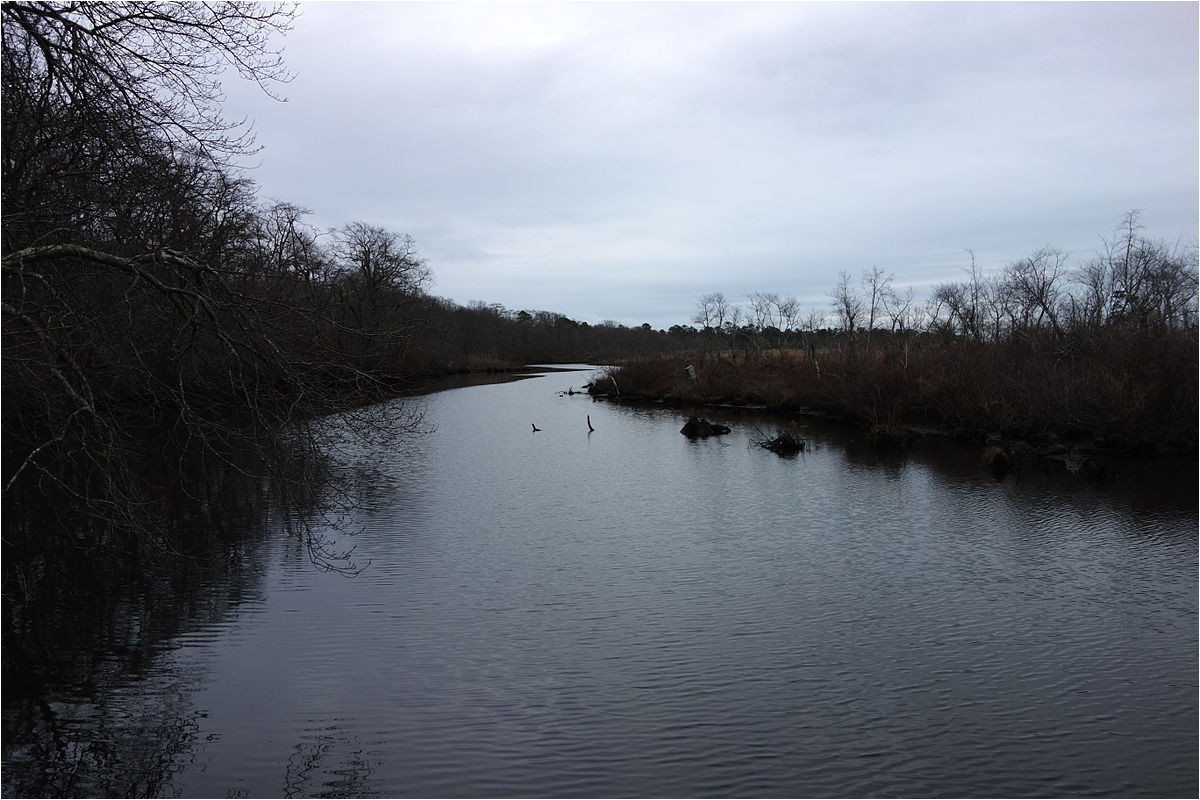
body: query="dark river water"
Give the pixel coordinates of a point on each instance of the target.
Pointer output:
(630, 613)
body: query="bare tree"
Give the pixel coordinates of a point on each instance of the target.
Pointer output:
(154, 67)
(1154, 284)
(787, 318)
(962, 308)
(1034, 286)
(379, 275)
(901, 310)
(764, 321)
(847, 304)
(877, 288)
(287, 245)
(813, 321)
(762, 309)
(376, 259)
(712, 311)
(1135, 283)
(1090, 307)
(787, 312)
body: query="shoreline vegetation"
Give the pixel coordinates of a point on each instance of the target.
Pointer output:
(959, 392)
(1129, 395)
(1096, 356)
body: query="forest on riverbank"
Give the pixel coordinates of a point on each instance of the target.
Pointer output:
(157, 311)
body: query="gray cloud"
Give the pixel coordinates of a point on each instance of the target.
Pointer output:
(616, 160)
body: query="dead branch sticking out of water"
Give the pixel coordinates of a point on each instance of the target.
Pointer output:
(784, 443)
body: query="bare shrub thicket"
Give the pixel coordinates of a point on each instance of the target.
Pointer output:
(1104, 347)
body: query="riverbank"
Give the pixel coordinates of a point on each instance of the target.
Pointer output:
(998, 394)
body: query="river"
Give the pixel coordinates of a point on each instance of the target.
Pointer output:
(627, 612)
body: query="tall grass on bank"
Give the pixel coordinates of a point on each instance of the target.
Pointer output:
(1126, 388)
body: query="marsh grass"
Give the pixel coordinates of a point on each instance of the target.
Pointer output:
(1125, 389)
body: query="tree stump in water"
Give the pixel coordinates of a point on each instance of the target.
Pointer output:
(697, 428)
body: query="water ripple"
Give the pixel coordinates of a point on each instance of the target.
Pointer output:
(631, 614)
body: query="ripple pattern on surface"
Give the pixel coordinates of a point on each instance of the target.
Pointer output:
(633, 614)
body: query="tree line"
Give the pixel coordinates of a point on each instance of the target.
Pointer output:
(1135, 285)
(1105, 349)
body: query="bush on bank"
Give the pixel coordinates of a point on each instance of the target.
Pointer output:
(1125, 390)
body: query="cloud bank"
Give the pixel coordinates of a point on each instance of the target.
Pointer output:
(616, 160)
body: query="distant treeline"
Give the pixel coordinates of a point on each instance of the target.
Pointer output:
(1105, 349)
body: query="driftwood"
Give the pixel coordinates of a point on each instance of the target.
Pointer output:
(783, 443)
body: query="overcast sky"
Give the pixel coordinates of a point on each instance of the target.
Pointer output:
(618, 160)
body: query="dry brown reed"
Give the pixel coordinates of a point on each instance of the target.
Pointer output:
(1125, 389)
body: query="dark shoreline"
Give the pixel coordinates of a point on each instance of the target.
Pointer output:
(1087, 455)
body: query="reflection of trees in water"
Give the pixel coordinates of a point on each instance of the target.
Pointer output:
(91, 708)
(99, 755)
(335, 765)
(85, 712)
(1141, 484)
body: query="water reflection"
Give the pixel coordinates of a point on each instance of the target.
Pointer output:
(87, 708)
(1138, 484)
(333, 764)
(104, 646)
(630, 613)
